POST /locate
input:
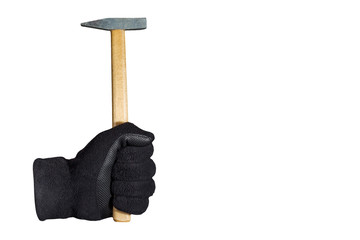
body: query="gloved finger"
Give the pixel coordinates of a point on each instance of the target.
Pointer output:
(135, 139)
(135, 154)
(132, 205)
(132, 133)
(133, 171)
(140, 189)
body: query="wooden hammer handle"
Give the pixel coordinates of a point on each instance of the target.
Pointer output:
(119, 94)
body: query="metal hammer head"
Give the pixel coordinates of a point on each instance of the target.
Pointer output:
(117, 23)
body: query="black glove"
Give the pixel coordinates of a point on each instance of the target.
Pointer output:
(114, 169)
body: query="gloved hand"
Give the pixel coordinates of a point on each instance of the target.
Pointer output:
(114, 169)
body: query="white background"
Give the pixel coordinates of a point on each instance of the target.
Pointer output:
(255, 106)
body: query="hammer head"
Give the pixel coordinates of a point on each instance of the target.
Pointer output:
(117, 23)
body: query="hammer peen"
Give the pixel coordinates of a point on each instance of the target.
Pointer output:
(117, 27)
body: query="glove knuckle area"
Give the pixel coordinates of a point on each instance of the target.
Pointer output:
(133, 171)
(132, 205)
(141, 189)
(135, 154)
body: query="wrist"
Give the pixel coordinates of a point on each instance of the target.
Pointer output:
(53, 190)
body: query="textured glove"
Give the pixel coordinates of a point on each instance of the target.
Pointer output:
(114, 169)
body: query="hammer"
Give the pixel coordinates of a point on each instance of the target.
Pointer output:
(117, 27)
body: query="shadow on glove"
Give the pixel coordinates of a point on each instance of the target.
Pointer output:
(114, 169)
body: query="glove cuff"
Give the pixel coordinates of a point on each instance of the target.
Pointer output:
(53, 190)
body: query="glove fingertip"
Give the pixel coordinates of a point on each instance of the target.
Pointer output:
(138, 140)
(137, 130)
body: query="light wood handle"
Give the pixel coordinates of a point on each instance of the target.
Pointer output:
(119, 94)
